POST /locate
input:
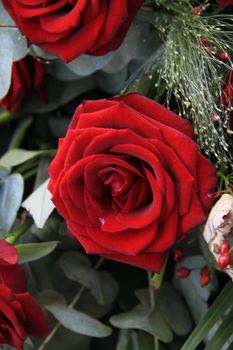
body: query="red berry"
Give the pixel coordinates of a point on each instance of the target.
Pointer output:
(182, 272)
(223, 56)
(224, 247)
(205, 270)
(224, 261)
(203, 41)
(205, 280)
(205, 276)
(197, 11)
(178, 254)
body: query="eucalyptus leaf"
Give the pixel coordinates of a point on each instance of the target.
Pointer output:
(68, 340)
(123, 339)
(195, 295)
(34, 251)
(13, 47)
(3, 172)
(143, 296)
(78, 322)
(18, 156)
(144, 16)
(49, 296)
(112, 83)
(11, 193)
(39, 52)
(139, 44)
(39, 204)
(101, 284)
(59, 70)
(5, 18)
(172, 307)
(59, 93)
(6, 53)
(144, 318)
(85, 65)
(145, 341)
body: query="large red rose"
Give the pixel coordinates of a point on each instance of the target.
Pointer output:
(20, 314)
(27, 75)
(68, 28)
(129, 179)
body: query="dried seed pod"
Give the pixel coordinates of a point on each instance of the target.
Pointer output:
(217, 231)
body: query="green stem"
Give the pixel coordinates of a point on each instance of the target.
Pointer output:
(18, 232)
(30, 173)
(152, 304)
(157, 278)
(71, 305)
(6, 117)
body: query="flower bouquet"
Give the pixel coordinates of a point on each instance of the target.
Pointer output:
(116, 181)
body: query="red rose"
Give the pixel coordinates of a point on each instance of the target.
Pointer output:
(129, 179)
(69, 28)
(27, 76)
(19, 313)
(225, 3)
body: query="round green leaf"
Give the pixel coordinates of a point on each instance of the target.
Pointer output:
(11, 193)
(144, 318)
(78, 322)
(33, 251)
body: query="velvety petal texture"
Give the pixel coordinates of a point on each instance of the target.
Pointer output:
(27, 76)
(68, 28)
(129, 179)
(20, 315)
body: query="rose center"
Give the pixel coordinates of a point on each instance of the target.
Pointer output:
(125, 190)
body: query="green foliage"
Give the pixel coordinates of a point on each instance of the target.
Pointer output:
(131, 340)
(223, 336)
(33, 251)
(101, 284)
(195, 295)
(78, 322)
(11, 193)
(174, 310)
(144, 318)
(18, 156)
(221, 305)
